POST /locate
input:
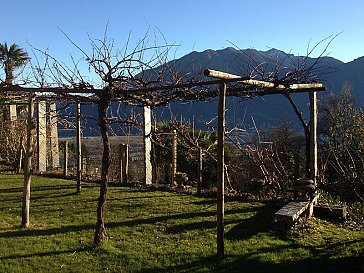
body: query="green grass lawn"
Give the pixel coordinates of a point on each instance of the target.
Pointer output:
(154, 231)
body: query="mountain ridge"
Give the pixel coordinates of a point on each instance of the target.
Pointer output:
(269, 109)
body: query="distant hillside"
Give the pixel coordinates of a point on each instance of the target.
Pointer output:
(267, 110)
(270, 109)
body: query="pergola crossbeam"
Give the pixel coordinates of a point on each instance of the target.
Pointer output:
(261, 84)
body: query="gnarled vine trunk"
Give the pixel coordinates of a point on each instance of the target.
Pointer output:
(100, 231)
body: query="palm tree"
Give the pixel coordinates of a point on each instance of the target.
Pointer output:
(12, 58)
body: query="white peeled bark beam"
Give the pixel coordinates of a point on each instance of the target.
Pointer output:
(262, 84)
(222, 75)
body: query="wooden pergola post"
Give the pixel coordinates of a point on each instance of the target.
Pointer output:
(313, 145)
(174, 156)
(199, 170)
(20, 155)
(78, 146)
(220, 170)
(65, 159)
(28, 161)
(123, 163)
(313, 136)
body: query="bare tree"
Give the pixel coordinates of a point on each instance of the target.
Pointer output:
(121, 70)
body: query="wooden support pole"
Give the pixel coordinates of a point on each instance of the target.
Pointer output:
(65, 157)
(313, 144)
(20, 158)
(174, 156)
(313, 136)
(20, 155)
(120, 163)
(28, 162)
(123, 163)
(220, 171)
(147, 130)
(199, 170)
(78, 146)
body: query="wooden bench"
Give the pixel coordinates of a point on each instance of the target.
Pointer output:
(291, 212)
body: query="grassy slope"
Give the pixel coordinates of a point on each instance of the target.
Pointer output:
(160, 232)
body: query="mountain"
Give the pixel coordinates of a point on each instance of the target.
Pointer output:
(267, 110)
(353, 73)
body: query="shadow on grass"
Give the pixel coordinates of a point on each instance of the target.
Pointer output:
(201, 225)
(55, 187)
(75, 228)
(11, 190)
(247, 228)
(39, 188)
(141, 197)
(211, 224)
(243, 263)
(46, 254)
(53, 196)
(244, 229)
(322, 261)
(205, 202)
(44, 232)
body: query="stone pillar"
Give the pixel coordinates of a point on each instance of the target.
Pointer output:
(42, 136)
(53, 122)
(147, 130)
(13, 113)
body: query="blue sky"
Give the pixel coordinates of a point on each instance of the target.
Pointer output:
(195, 25)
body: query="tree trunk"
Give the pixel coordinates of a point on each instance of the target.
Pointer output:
(28, 163)
(306, 129)
(100, 231)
